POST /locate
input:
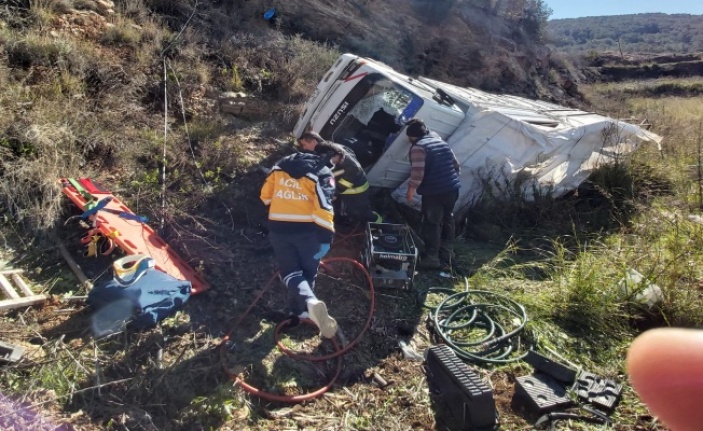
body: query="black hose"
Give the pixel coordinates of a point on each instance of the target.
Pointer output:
(480, 326)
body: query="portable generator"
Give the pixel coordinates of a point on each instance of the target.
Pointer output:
(390, 255)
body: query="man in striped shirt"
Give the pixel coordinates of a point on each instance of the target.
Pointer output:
(434, 174)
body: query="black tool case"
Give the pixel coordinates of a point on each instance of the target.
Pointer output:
(468, 398)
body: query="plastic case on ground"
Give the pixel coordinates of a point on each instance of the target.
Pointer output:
(10, 352)
(542, 393)
(602, 393)
(469, 399)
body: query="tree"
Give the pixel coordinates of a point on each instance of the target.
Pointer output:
(534, 18)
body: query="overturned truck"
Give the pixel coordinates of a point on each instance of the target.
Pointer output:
(499, 139)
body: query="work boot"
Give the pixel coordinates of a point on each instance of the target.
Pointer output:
(317, 310)
(430, 262)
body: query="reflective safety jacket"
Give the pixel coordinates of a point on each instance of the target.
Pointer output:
(349, 175)
(299, 191)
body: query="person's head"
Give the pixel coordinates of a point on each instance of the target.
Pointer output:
(416, 129)
(309, 140)
(332, 152)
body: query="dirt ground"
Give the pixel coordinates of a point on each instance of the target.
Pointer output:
(181, 375)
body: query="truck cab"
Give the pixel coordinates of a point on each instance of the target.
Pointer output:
(365, 104)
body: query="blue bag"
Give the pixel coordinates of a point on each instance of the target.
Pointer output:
(141, 300)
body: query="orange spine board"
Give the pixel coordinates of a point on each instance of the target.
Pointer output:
(134, 237)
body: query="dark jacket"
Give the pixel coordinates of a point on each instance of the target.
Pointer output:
(350, 177)
(440, 174)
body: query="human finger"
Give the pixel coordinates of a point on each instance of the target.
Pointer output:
(666, 369)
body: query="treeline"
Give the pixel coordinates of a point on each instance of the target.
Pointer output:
(647, 32)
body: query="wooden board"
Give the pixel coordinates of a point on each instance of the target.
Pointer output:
(16, 290)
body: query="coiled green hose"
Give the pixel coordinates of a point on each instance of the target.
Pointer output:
(480, 326)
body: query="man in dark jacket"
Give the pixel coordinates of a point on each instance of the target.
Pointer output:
(299, 191)
(352, 198)
(434, 174)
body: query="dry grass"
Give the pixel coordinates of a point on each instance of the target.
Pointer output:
(277, 65)
(123, 32)
(677, 118)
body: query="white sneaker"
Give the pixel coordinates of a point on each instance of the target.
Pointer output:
(318, 314)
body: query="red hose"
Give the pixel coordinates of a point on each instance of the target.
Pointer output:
(293, 354)
(337, 353)
(288, 398)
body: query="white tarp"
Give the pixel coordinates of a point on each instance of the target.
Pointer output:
(501, 147)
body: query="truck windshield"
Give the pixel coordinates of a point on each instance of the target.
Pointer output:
(370, 116)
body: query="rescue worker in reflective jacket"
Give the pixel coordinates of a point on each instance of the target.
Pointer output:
(352, 198)
(299, 191)
(434, 174)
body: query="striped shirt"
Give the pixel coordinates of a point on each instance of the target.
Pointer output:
(417, 165)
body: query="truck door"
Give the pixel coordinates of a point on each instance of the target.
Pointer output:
(371, 112)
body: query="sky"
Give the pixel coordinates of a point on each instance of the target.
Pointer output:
(579, 8)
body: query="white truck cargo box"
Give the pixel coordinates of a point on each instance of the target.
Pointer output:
(365, 105)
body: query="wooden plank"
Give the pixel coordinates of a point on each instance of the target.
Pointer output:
(7, 288)
(21, 302)
(82, 278)
(15, 298)
(19, 281)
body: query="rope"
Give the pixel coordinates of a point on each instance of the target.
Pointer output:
(185, 126)
(178, 36)
(163, 159)
(163, 156)
(354, 232)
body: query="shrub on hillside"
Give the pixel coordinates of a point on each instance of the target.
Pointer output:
(282, 67)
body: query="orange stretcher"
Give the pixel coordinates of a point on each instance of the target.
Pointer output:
(116, 221)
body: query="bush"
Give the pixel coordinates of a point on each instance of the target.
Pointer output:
(285, 68)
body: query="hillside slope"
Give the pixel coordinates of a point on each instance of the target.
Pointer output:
(451, 41)
(102, 63)
(447, 40)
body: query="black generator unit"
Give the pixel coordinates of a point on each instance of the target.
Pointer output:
(468, 398)
(390, 255)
